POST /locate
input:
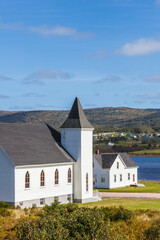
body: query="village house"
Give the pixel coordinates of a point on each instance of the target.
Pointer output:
(113, 170)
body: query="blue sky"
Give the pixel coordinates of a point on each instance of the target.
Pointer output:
(105, 52)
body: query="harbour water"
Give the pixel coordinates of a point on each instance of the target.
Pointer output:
(149, 168)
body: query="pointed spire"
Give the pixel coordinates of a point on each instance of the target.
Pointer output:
(76, 117)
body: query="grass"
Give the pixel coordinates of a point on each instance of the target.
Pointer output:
(131, 204)
(147, 152)
(150, 187)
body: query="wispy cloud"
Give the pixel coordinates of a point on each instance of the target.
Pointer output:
(157, 2)
(4, 96)
(152, 95)
(140, 47)
(59, 31)
(152, 78)
(38, 78)
(111, 78)
(23, 108)
(90, 105)
(10, 26)
(99, 54)
(4, 78)
(36, 95)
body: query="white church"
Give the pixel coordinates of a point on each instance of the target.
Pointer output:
(38, 165)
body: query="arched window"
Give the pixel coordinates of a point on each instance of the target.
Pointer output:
(56, 180)
(69, 175)
(27, 180)
(86, 182)
(42, 179)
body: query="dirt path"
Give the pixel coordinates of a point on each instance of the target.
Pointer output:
(130, 195)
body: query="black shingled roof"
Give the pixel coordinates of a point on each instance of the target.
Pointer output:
(32, 144)
(106, 160)
(76, 117)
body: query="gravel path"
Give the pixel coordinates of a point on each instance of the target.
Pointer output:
(130, 195)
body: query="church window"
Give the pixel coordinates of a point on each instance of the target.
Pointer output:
(42, 179)
(56, 177)
(117, 165)
(69, 175)
(115, 178)
(86, 182)
(27, 180)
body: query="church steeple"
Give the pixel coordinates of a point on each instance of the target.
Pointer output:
(76, 117)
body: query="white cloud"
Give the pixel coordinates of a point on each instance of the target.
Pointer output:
(157, 2)
(4, 96)
(4, 78)
(31, 94)
(59, 31)
(111, 78)
(39, 77)
(140, 47)
(99, 54)
(152, 78)
(152, 95)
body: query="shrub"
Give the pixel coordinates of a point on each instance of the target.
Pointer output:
(6, 205)
(116, 214)
(153, 232)
(4, 212)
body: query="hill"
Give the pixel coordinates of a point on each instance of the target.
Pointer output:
(108, 118)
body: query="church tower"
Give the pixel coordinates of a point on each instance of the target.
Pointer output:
(77, 139)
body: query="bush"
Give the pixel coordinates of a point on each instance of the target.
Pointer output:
(153, 232)
(6, 205)
(116, 214)
(4, 212)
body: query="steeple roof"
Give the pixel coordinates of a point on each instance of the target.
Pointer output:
(76, 117)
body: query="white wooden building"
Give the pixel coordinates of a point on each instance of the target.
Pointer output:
(114, 170)
(39, 165)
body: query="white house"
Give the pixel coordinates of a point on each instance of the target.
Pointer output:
(39, 165)
(113, 170)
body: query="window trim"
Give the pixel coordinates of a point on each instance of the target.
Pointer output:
(69, 177)
(27, 180)
(42, 179)
(56, 177)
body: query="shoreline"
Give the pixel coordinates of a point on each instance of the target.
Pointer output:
(143, 155)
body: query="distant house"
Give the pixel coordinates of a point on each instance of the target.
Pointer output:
(109, 144)
(121, 134)
(133, 136)
(114, 170)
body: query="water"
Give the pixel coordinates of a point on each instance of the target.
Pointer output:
(149, 168)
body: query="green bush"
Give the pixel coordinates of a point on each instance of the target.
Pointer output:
(153, 232)
(4, 212)
(116, 214)
(6, 205)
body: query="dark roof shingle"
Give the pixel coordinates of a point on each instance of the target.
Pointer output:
(106, 160)
(32, 144)
(76, 117)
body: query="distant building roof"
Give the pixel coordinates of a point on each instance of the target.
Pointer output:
(76, 117)
(106, 160)
(32, 144)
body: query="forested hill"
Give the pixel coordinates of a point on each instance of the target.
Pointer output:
(108, 118)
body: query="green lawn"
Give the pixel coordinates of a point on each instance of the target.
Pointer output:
(131, 204)
(147, 152)
(150, 186)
